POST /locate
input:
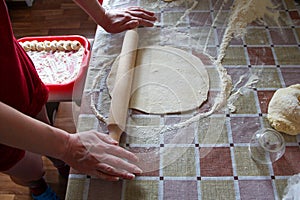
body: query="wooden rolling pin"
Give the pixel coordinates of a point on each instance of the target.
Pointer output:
(122, 88)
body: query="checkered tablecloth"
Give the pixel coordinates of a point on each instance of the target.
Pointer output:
(209, 159)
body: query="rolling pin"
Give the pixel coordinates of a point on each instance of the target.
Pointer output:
(122, 88)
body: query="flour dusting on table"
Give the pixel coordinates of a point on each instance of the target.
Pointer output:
(243, 13)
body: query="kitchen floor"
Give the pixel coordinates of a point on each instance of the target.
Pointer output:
(48, 17)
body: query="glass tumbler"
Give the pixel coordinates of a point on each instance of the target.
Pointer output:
(266, 146)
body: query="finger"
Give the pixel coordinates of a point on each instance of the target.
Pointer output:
(129, 25)
(106, 138)
(109, 170)
(139, 9)
(119, 163)
(104, 176)
(146, 23)
(142, 15)
(140, 22)
(121, 153)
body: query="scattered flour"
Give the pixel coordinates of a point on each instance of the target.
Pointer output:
(291, 192)
(169, 3)
(243, 13)
(195, 3)
(252, 80)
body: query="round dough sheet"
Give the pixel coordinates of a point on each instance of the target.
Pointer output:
(166, 80)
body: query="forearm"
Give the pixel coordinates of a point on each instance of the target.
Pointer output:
(24, 132)
(93, 8)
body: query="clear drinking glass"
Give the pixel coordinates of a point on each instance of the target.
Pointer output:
(266, 146)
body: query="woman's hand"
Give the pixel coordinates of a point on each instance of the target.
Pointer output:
(90, 152)
(115, 21)
(96, 154)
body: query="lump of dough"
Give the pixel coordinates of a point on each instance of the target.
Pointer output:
(284, 110)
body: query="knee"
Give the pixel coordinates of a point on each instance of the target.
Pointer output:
(29, 169)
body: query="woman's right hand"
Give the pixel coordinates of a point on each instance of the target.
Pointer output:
(96, 154)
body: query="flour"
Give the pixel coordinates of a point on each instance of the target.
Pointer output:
(101, 74)
(243, 13)
(169, 4)
(195, 3)
(57, 67)
(291, 192)
(252, 80)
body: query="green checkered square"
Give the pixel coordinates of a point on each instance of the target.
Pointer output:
(179, 161)
(212, 130)
(143, 130)
(287, 55)
(245, 104)
(246, 166)
(235, 56)
(211, 189)
(268, 77)
(256, 36)
(141, 189)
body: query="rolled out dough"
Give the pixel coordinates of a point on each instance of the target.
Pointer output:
(166, 80)
(284, 110)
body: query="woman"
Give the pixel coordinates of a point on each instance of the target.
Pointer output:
(24, 131)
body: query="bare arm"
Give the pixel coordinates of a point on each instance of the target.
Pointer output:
(24, 132)
(114, 21)
(89, 152)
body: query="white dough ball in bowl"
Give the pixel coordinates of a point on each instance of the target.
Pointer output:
(284, 110)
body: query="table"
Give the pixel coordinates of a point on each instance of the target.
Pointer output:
(209, 158)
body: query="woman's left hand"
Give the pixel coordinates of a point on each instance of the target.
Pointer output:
(116, 21)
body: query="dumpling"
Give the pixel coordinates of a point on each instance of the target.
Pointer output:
(53, 45)
(33, 44)
(68, 45)
(60, 45)
(75, 45)
(26, 45)
(40, 46)
(47, 45)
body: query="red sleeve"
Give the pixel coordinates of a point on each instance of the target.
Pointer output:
(21, 87)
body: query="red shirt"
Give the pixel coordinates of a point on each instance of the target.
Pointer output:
(20, 85)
